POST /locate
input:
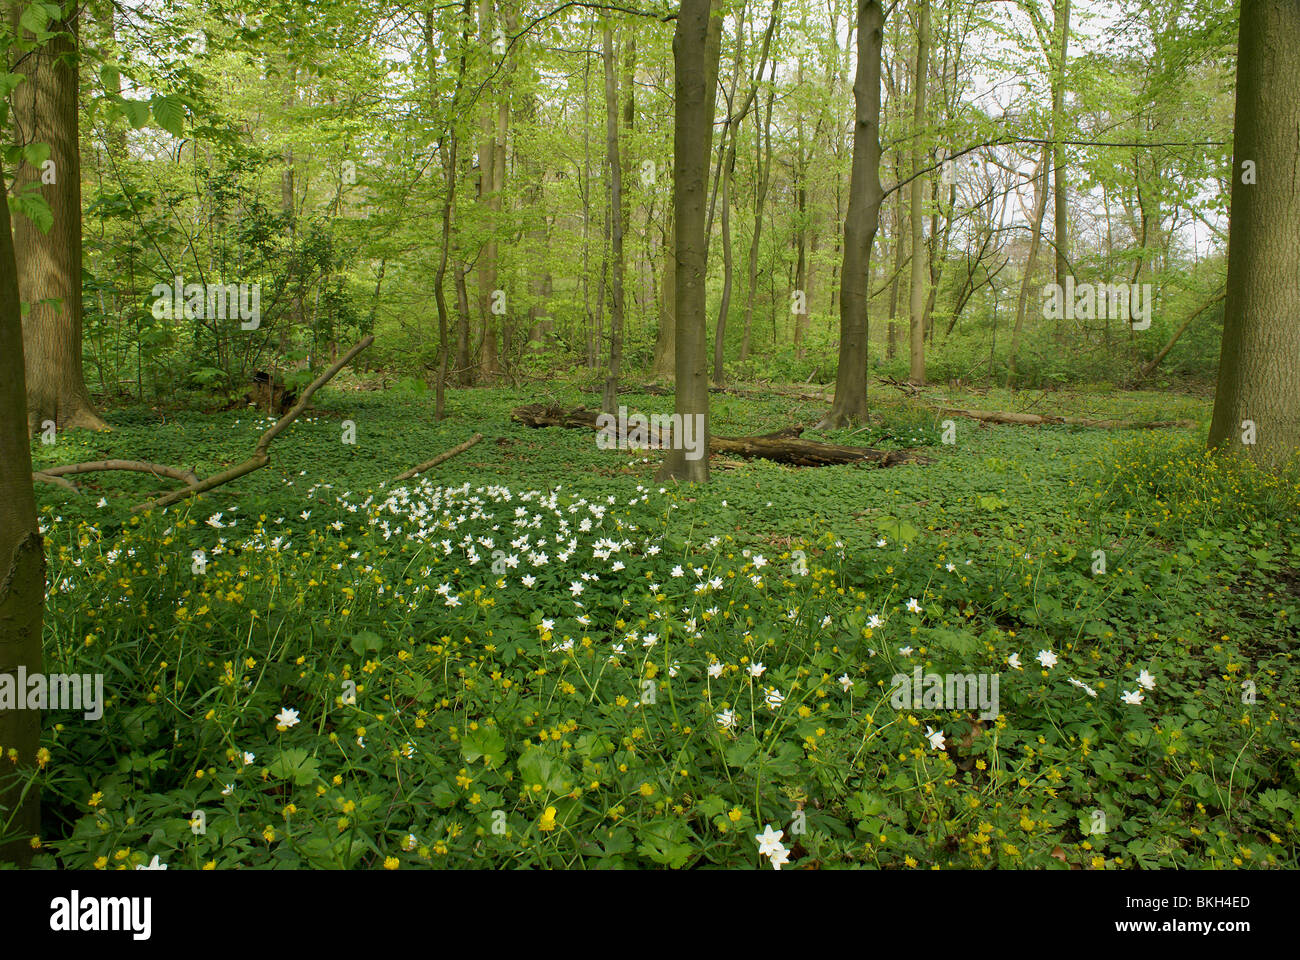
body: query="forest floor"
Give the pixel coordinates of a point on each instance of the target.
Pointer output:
(537, 654)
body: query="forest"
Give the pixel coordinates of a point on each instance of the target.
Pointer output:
(688, 434)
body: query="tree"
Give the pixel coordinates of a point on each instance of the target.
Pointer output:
(1031, 259)
(916, 353)
(1259, 361)
(447, 152)
(22, 561)
(617, 265)
(1060, 237)
(697, 42)
(860, 223)
(493, 126)
(49, 261)
(666, 336)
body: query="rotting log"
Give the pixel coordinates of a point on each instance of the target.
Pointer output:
(1033, 420)
(782, 446)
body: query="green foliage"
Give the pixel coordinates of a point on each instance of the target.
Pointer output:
(456, 713)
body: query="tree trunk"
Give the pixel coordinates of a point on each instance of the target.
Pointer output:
(610, 400)
(726, 175)
(464, 371)
(1061, 234)
(490, 196)
(891, 346)
(666, 339)
(1259, 364)
(696, 43)
(448, 205)
(1036, 228)
(49, 264)
(22, 566)
(916, 353)
(861, 223)
(763, 168)
(801, 219)
(724, 302)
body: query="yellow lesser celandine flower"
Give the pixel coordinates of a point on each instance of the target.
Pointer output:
(547, 821)
(391, 863)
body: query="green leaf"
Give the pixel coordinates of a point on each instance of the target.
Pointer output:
(663, 841)
(484, 742)
(35, 18)
(896, 529)
(36, 153)
(738, 753)
(170, 114)
(294, 764)
(136, 112)
(33, 206)
(365, 641)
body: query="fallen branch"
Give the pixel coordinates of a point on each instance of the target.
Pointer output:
(1150, 367)
(440, 458)
(910, 389)
(260, 457)
(809, 453)
(40, 477)
(1034, 420)
(782, 446)
(134, 466)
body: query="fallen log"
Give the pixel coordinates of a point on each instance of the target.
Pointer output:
(1035, 419)
(261, 457)
(809, 453)
(440, 458)
(781, 446)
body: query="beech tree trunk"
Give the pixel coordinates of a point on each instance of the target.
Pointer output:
(763, 172)
(860, 224)
(666, 339)
(22, 565)
(1259, 364)
(449, 155)
(916, 353)
(49, 264)
(696, 43)
(617, 267)
(1060, 235)
(490, 196)
(726, 175)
